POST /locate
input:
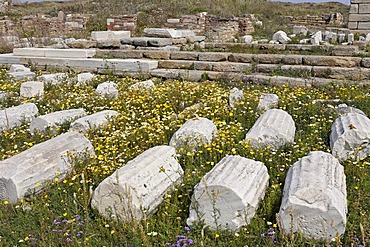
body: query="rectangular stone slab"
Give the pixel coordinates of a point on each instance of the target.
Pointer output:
(28, 172)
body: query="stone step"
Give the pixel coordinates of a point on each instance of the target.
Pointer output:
(86, 64)
(293, 81)
(196, 75)
(54, 53)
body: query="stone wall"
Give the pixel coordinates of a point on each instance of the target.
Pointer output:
(122, 23)
(4, 5)
(54, 26)
(359, 16)
(313, 20)
(215, 28)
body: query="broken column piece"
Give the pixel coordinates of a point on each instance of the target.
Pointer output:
(314, 200)
(228, 195)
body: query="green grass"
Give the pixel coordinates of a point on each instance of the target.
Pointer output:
(31, 221)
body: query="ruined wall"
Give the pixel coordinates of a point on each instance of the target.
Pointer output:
(335, 19)
(216, 29)
(359, 16)
(122, 23)
(4, 5)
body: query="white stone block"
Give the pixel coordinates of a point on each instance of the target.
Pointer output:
(268, 101)
(94, 121)
(281, 37)
(29, 52)
(27, 172)
(84, 78)
(194, 132)
(142, 85)
(53, 79)
(138, 188)
(316, 38)
(351, 38)
(3, 96)
(107, 89)
(32, 89)
(168, 33)
(228, 196)
(17, 115)
(350, 135)
(314, 198)
(236, 95)
(341, 37)
(50, 122)
(274, 128)
(22, 75)
(247, 39)
(18, 68)
(109, 35)
(69, 53)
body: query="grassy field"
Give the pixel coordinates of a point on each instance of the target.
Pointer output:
(61, 215)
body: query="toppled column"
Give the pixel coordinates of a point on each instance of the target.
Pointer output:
(53, 120)
(274, 128)
(236, 95)
(137, 188)
(94, 121)
(14, 116)
(350, 135)
(314, 198)
(27, 172)
(194, 132)
(228, 195)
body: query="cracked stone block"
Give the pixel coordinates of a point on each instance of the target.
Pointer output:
(314, 200)
(268, 101)
(350, 136)
(142, 85)
(53, 120)
(194, 132)
(94, 121)
(27, 172)
(53, 79)
(343, 109)
(136, 189)
(107, 89)
(274, 128)
(236, 95)
(220, 200)
(18, 68)
(281, 37)
(32, 89)
(17, 115)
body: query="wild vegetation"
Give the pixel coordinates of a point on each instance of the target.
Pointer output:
(61, 214)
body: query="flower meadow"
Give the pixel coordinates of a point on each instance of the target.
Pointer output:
(61, 214)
